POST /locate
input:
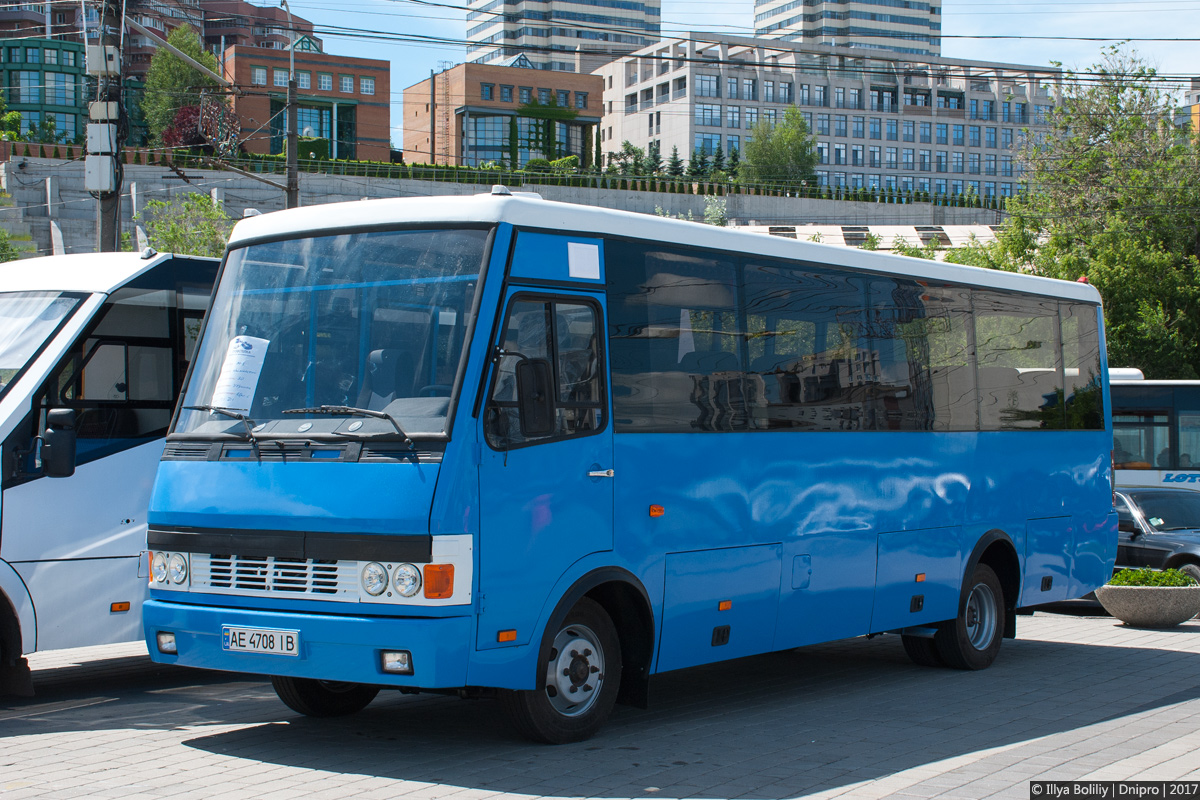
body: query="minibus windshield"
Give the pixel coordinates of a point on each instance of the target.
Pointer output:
(306, 334)
(27, 321)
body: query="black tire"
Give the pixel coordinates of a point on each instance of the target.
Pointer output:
(1191, 569)
(972, 640)
(323, 698)
(922, 650)
(582, 658)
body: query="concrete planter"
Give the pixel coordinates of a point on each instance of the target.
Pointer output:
(1150, 606)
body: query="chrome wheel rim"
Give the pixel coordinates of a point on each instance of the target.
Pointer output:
(575, 672)
(982, 616)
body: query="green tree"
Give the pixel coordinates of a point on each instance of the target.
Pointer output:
(698, 164)
(654, 162)
(172, 84)
(193, 224)
(718, 160)
(784, 153)
(734, 162)
(629, 160)
(675, 163)
(1114, 192)
(7, 251)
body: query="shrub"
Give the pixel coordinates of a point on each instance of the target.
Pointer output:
(1149, 577)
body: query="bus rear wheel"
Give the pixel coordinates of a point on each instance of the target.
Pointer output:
(323, 698)
(972, 640)
(578, 680)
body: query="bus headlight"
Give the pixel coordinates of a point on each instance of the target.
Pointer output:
(177, 567)
(374, 579)
(407, 580)
(158, 567)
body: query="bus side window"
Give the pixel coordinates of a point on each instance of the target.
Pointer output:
(563, 333)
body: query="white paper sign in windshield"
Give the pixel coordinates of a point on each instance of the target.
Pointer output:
(239, 373)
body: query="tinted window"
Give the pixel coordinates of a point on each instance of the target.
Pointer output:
(563, 333)
(677, 346)
(1084, 396)
(1018, 373)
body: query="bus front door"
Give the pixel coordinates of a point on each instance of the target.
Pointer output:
(546, 472)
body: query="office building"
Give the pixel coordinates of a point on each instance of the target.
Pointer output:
(341, 98)
(472, 114)
(565, 35)
(44, 80)
(933, 124)
(908, 26)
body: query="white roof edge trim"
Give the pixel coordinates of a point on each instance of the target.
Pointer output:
(93, 273)
(593, 221)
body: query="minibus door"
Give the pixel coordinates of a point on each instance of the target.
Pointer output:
(546, 473)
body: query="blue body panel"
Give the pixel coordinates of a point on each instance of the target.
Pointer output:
(333, 646)
(334, 496)
(545, 257)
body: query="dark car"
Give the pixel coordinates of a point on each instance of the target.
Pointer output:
(1159, 528)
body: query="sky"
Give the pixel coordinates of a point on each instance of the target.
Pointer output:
(1044, 32)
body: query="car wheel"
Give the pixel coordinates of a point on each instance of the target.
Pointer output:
(972, 640)
(1191, 569)
(922, 650)
(578, 680)
(323, 698)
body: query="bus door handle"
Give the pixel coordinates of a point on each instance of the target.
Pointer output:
(600, 473)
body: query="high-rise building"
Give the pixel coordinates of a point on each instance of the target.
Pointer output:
(911, 26)
(565, 35)
(881, 120)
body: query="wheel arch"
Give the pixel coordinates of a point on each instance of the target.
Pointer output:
(996, 549)
(18, 617)
(624, 599)
(1178, 560)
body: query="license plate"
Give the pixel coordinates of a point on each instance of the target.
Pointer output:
(260, 640)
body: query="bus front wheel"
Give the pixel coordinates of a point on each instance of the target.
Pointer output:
(972, 640)
(314, 698)
(578, 680)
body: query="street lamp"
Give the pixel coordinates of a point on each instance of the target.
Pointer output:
(293, 170)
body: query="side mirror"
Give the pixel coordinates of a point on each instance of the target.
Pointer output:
(1128, 526)
(58, 443)
(535, 398)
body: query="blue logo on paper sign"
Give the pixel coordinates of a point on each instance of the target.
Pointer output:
(242, 343)
(1181, 478)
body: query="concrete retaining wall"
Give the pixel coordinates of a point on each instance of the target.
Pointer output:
(52, 189)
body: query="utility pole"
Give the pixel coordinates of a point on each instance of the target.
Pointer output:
(293, 143)
(103, 174)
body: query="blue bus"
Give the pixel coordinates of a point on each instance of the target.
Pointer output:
(499, 446)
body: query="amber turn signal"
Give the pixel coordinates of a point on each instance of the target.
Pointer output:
(657, 511)
(724, 605)
(439, 581)
(920, 577)
(116, 607)
(506, 636)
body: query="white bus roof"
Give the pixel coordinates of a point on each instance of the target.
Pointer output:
(81, 272)
(532, 212)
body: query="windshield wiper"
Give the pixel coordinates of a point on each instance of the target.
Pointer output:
(351, 411)
(239, 416)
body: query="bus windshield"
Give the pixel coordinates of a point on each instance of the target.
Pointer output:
(376, 321)
(27, 321)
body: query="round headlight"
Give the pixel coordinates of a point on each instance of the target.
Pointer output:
(158, 568)
(177, 567)
(407, 580)
(374, 579)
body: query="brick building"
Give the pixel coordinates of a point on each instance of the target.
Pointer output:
(341, 98)
(235, 22)
(475, 113)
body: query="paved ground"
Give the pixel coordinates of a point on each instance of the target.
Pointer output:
(1073, 698)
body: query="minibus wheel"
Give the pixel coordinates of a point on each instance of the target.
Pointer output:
(579, 675)
(972, 640)
(322, 698)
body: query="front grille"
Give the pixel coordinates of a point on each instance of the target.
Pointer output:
(275, 577)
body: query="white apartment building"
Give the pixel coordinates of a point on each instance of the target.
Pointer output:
(913, 27)
(565, 35)
(932, 124)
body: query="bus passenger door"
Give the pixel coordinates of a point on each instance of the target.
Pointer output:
(546, 472)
